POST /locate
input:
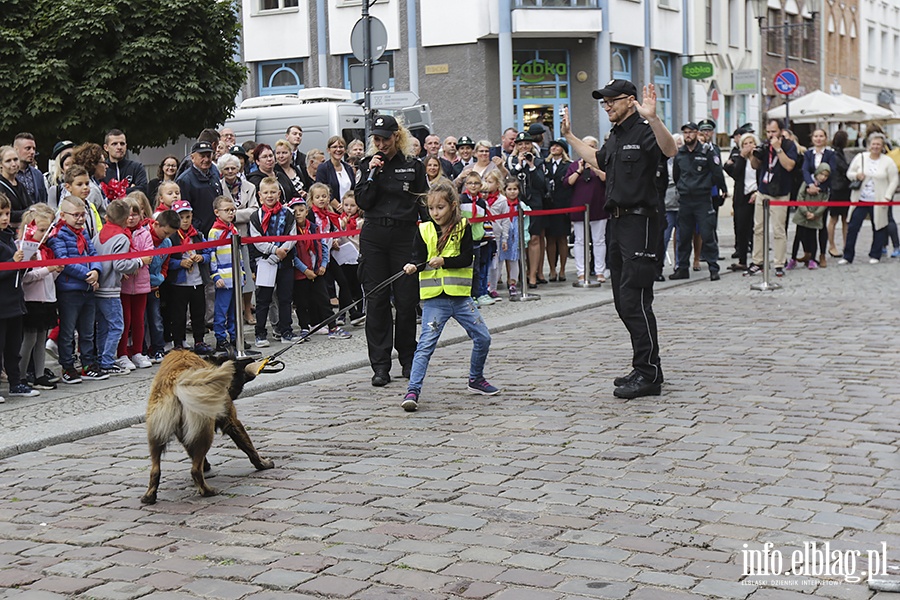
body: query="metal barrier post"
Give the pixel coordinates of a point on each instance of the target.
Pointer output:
(588, 244)
(523, 295)
(765, 286)
(238, 281)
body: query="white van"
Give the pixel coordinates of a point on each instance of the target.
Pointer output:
(320, 112)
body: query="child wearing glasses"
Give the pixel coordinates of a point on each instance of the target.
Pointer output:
(77, 283)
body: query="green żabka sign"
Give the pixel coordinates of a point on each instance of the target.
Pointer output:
(697, 70)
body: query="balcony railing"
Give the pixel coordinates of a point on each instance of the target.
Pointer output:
(555, 3)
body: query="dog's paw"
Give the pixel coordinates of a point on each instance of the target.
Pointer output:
(265, 463)
(148, 499)
(209, 492)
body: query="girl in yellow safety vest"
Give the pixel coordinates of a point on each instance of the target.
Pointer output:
(443, 246)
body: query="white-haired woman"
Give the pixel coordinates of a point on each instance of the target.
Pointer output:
(878, 174)
(243, 194)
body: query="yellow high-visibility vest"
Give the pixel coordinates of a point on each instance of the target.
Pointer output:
(453, 282)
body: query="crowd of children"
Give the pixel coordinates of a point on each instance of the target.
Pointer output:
(109, 317)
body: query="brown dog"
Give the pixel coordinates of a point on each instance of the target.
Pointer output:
(190, 399)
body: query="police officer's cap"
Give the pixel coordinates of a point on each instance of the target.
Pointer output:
(238, 150)
(561, 143)
(523, 136)
(689, 126)
(707, 125)
(465, 141)
(385, 126)
(615, 87)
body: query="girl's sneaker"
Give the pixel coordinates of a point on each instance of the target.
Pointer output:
(410, 402)
(493, 294)
(895, 253)
(481, 386)
(791, 264)
(157, 357)
(812, 265)
(51, 376)
(513, 291)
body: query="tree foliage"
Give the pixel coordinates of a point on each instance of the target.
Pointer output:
(157, 69)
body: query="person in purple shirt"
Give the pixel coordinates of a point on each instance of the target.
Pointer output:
(589, 188)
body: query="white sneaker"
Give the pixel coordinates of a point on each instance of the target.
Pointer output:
(843, 261)
(141, 361)
(51, 348)
(874, 261)
(168, 347)
(485, 300)
(125, 363)
(2, 400)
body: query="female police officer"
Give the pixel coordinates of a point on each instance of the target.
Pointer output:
(391, 191)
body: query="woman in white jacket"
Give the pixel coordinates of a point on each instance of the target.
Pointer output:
(878, 174)
(243, 194)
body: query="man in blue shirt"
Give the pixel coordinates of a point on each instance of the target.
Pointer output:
(773, 161)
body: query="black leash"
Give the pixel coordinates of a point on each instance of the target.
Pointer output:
(270, 364)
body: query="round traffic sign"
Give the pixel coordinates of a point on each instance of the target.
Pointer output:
(715, 104)
(378, 39)
(786, 81)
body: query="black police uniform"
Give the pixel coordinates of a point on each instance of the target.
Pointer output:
(393, 201)
(630, 157)
(695, 172)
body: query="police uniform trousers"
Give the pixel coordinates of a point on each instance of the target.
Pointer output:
(697, 212)
(631, 258)
(385, 246)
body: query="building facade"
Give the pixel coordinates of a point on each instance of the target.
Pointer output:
(482, 65)
(879, 40)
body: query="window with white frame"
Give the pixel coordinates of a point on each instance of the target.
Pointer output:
(280, 77)
(274, 5)
(873, 47)
(734, 23)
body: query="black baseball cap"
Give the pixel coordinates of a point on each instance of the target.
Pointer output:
(58, 147)
(201, 147)
(689, 125)
(615, 87)
(385, 126)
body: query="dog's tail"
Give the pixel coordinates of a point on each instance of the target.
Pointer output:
(204, 395)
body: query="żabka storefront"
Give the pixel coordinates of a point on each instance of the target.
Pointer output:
(540, 87)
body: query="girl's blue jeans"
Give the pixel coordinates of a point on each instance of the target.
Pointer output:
(435, 314)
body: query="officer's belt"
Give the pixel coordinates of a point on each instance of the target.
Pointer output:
(615, 212)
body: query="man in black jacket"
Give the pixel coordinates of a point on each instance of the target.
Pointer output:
(119, 168)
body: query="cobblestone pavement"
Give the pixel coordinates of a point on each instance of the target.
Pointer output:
(778, 424)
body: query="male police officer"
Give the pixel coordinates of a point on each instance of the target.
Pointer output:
(629, 160)
(696, 169)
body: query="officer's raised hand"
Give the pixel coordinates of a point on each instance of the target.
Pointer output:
(647, 108)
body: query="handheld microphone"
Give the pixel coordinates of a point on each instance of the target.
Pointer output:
(376, 170)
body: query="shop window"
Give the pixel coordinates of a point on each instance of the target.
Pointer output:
(662, 79)
(280, 77)
(540, 87)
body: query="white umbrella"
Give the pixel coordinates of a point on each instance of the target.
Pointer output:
(818, 106)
